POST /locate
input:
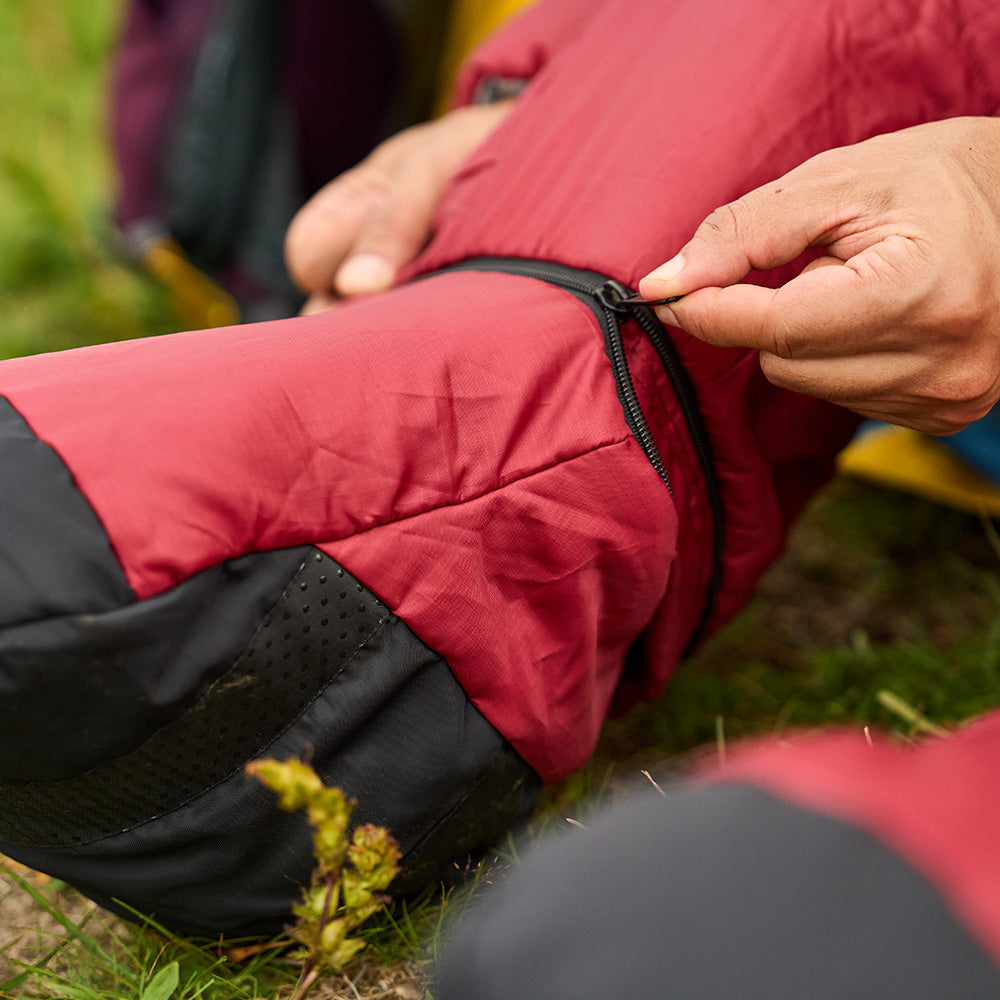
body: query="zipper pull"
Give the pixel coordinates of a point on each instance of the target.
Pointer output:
(615, 296)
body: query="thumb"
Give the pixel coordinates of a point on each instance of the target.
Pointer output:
(766, 228)
(394, 233)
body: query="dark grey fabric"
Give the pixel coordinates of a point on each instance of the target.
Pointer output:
(55, 557)
(80, 690)
(389, 724)
(709, 894)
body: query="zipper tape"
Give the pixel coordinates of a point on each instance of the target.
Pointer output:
(614, 304)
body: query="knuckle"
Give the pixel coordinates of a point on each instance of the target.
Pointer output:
(360, 185)
(723, 222)
(386, 228)
(964, 397)
(968, 412)
(971, 385)
(957, 302)
(785, 342)
(327, 224)
(749, 225)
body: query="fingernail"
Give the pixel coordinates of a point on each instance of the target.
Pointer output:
(667, 271)
(367, 272)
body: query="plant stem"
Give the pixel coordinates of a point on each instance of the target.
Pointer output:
(310, 973)
(325, 915)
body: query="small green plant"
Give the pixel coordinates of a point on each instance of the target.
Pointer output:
(351, 874)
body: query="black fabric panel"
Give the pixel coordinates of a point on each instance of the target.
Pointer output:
(709, 894)
(80, 690)
(389, 724)
(501, 796)
(55, 557)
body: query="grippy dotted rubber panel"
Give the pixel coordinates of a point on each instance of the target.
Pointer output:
(315, 629)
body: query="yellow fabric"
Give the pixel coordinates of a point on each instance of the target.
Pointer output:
(906, 460)
(469, 22)
(200, 301)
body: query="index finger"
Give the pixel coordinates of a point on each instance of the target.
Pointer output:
(324, 229)
(394, 231)
(826, 312)
(815, 204)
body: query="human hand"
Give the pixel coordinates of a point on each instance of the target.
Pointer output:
(900, 320)
(354, 234)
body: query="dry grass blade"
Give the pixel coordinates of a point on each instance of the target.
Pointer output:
(908, 713)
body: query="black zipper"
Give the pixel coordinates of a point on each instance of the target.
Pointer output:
(608, 299)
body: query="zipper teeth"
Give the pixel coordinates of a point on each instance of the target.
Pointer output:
(624, 377)
(686, 397)
(612, 325)
(682, 386)
(590, 283)
(577, 279)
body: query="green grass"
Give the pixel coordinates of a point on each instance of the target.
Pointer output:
(879, 591)
(74, 950)
(61, 282)
(96, 958)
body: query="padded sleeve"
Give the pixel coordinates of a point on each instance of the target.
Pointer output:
(711, 892)
(934, 806)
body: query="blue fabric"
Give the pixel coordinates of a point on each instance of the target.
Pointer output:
(979, 444)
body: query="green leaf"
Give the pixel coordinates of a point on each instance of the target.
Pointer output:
(163, 984)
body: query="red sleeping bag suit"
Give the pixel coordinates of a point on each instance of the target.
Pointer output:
(456, 446)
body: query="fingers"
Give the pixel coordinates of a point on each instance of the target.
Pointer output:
(831, 309)
(393, 233)
(323, 231)
(417, 164)
(766, 228)
(354, 235)
(900, 320)
(900, 387)
(867, 334)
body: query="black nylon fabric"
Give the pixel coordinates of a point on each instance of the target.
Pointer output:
(388, 723)
(79, 690)
(55, 558)
(710, 894)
